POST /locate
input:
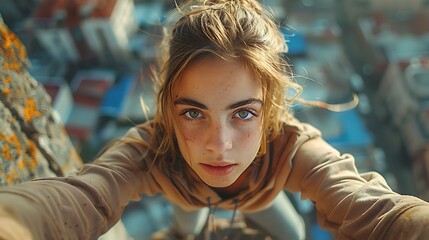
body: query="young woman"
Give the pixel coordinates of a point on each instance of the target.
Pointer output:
(222, 137)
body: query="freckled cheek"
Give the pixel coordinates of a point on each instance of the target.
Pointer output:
(187, 132)
(191, 136)
(250, 137)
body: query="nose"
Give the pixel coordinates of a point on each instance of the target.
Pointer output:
(219, 138)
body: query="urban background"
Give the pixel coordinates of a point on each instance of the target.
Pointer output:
(94, 58)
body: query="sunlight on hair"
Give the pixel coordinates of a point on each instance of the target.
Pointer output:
(339, 107)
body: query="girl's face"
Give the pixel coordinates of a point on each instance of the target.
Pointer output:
(218, 105)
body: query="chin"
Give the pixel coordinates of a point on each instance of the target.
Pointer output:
(219, 183)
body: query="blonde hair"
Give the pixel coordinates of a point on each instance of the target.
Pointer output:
(234, 30)
(230, 29)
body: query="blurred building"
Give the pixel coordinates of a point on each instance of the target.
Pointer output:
(392, 48)
(405, 90)
(382, 39)
(321, 66)
(88, 88)
(349, 11)
(405, 93)
(13, 11)
(398, 5)
(75, 30)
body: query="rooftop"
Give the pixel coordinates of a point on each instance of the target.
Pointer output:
(71, 12)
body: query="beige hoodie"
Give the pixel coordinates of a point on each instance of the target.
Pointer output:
(351, 205)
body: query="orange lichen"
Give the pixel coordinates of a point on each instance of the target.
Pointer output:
(10, 39)
(30, 110)
(5, 152)
(14, 140)
(32, 151)
(12, 175)
(12, 66)
(12, 49)
(7, 79)
(10, 141)
(21, 164)
(7, 42)
(8, 54)
(6, 91)
(9, 178)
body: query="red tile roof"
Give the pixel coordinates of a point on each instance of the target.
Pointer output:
(48, 8)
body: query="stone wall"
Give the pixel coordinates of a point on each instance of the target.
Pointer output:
(33, 142)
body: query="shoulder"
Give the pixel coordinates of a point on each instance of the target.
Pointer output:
(301, 129)
(137, 145)
(294, 133)
(148, 133)
(284, 148)
(143, 131)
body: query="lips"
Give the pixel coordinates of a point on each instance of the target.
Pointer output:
(218, 170)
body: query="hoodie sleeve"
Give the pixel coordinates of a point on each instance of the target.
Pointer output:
(353, 205)
(82, 206)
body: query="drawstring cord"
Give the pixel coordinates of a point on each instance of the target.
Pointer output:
(211, 226)
(234, 212)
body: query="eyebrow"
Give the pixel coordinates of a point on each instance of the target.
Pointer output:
(190, 102)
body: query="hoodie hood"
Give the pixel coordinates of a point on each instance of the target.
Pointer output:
(269, 176)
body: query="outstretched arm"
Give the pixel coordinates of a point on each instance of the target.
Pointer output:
(353, 205)
(83, 206)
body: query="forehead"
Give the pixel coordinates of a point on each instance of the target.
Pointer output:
(217, 77)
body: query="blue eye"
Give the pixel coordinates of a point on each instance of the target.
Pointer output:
(244, 114)
(192, 114)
